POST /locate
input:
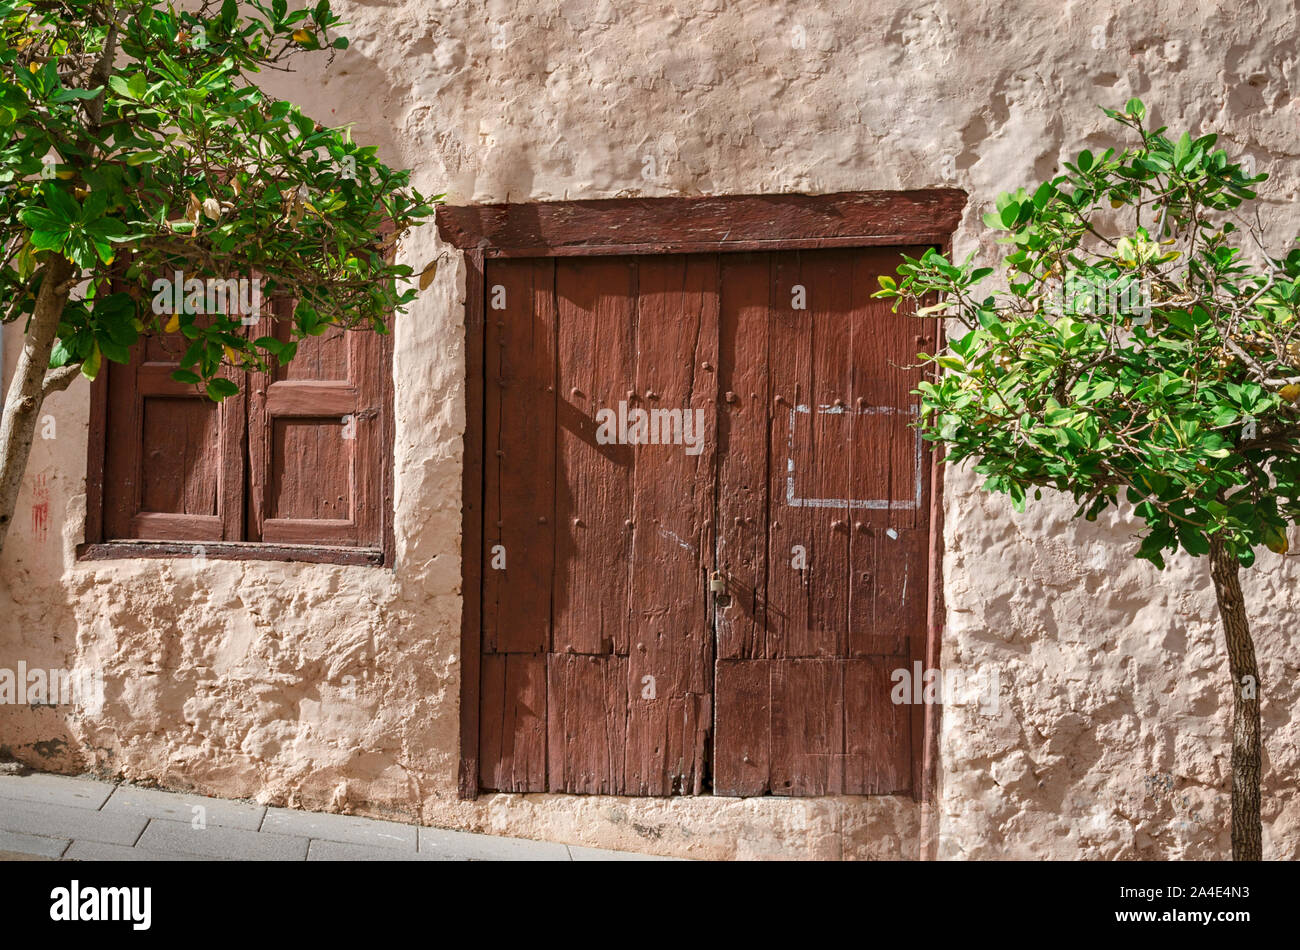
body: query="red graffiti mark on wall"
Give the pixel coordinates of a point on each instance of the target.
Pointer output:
(41, 508)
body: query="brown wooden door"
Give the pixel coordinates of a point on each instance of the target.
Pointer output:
(805, 490)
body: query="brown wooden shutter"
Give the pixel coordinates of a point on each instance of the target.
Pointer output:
(317, 438)
(174, 460)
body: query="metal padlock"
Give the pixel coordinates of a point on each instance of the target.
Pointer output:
(716, 584)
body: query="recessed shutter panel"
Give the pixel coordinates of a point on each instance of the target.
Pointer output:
(315, 438)
(174, 459)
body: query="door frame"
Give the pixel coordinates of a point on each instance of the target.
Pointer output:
(697, 225)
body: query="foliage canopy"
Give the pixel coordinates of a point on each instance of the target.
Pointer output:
(1146, 347)
(134, 144)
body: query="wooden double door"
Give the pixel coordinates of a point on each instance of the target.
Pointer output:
(705, 525)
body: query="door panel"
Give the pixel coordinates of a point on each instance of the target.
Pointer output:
(775, 448)
(803, 702)
(519, 408)
(671, 657)
(622, 586)
(596, 305)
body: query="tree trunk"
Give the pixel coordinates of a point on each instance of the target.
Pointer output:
(22, 406)
(30, 386)
(1247, 831)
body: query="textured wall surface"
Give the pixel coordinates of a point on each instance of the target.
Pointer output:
(337, 688)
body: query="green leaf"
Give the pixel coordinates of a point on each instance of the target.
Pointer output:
(1193, 540)
(220, 388)
(49, 240)
(1102, 389)
(1275, 539)
(120, 86)
(62, 354)
(90, 368)
(61, 203)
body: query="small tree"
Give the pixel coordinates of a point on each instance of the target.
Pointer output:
(134, 146)
(1138, 356)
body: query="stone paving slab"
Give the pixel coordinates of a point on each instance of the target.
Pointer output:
(33, 845)
(63, 821)
(55, 789)
(216, 842)
(94, 850)
(340, 851)
(155, 803)
(348, 829)
(52, 817)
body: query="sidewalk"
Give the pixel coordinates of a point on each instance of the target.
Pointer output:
(56, 817)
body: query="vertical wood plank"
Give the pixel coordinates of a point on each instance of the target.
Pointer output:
(810, 478)
(671, 656)
(512, 722)
(808, 727)
(925, 721)
(471, 549)
(96, 447)
(388, 443)
(595, 302)
(369, 365)
(877, 733)
(519, 464)
(586, 723)
(258, 437)
(744, 423)
(743, 739)
(888, 540)
(829, 487)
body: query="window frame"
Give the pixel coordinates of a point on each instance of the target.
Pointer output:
(96, 547)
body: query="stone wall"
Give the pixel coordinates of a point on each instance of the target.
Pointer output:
(331, 687)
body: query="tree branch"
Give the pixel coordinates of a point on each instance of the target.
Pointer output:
(57, 380)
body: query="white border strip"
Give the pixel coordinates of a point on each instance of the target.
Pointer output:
(874, 504)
